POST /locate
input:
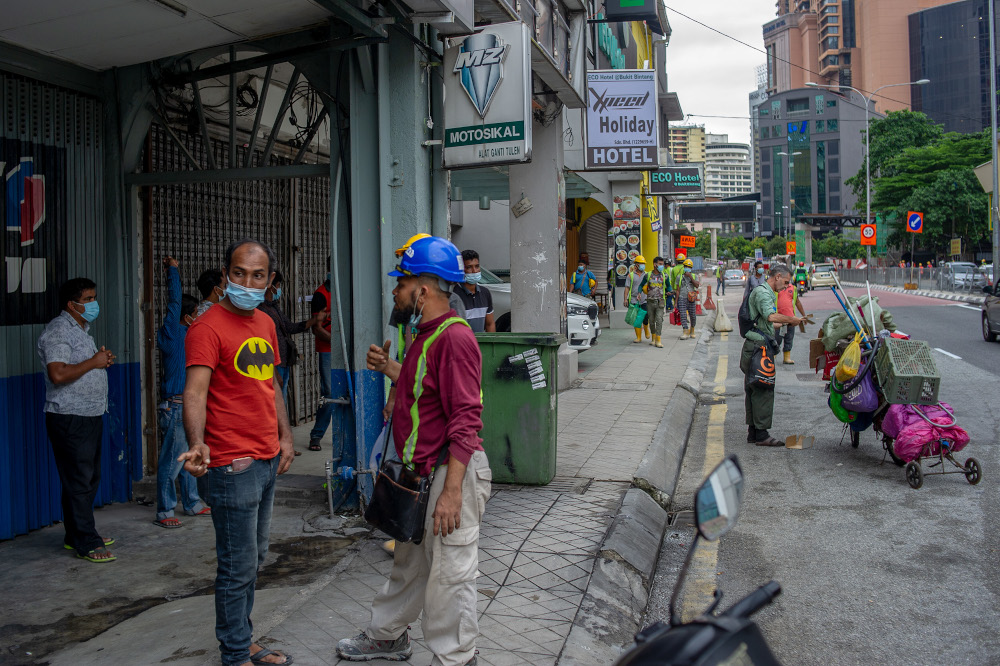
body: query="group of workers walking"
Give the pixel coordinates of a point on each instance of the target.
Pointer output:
(660, 289)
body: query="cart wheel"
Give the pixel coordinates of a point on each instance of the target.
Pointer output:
(914, 475)
(887, 444)
(973, 473)
(855, 438)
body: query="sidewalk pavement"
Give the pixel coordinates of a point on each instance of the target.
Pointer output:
(564, 569)
(930, 293)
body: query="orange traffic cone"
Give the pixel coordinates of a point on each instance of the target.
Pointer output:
(709, 303)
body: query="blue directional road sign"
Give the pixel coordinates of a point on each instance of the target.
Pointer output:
(915, 222)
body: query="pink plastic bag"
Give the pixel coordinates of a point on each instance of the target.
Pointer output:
(898, 417)
(911, 442)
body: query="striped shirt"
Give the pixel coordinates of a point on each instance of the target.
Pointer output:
(170, 339)
(477, 305)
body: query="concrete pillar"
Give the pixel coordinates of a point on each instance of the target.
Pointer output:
(537, 303)
(715, 245)
(806, 250)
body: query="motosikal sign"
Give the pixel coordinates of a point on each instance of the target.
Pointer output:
(486, 97)
(621, 128)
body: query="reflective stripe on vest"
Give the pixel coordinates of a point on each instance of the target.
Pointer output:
(410, 447)
(401, 343)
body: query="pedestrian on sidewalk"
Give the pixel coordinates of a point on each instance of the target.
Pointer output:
(720, 280)
(181, 312)
(756, 278)
(582, 281)
(436, 418)
(76, 397)
(788, 301)
(212, 286)
(636, 285)
(238, 433)
(656, 293)
(677, 272)
(687, 299)
(286, 328)
(759, 402)
(320, 307)
(476, 299)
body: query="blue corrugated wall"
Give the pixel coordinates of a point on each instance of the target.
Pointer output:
(29, 485)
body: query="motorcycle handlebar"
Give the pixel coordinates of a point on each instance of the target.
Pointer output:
(754, 601)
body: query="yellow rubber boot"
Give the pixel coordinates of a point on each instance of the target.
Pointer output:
(645, 328)
(658, 343)
(638, 335)
(788, 359)
(684, 334)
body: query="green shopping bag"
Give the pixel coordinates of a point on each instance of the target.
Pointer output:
(635, 315)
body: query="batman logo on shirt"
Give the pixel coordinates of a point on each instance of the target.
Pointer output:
(255, 359)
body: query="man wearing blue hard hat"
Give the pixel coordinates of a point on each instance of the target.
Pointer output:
(438, 405)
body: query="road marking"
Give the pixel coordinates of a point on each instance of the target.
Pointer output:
(702, 574)
(938, 349)
(968, 307)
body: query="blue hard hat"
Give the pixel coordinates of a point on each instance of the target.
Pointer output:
(431, 256)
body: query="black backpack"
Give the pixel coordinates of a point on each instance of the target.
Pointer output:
(743, 317)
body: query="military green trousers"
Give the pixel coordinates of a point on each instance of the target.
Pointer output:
(759, 402)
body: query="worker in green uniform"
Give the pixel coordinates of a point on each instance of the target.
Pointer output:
(763, 305)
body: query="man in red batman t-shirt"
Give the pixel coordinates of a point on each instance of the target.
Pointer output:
(237, 426)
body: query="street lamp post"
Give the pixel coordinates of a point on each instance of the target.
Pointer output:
(868, 173)
(791, 196)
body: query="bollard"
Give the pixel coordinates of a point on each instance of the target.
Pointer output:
(709, 304)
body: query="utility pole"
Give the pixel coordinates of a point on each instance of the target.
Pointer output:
(994, 217)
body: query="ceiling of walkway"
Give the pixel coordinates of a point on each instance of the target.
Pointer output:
(112, 33)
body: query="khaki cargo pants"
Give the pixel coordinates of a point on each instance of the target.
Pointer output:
(438, 576)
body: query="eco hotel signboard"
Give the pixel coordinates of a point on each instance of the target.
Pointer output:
(676, 180)
(487, 114)
(621, 130)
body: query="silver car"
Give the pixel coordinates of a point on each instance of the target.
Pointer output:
(583, 328)
(961, 275)
(735, 278)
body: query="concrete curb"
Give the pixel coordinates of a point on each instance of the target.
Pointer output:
(618, 591)
(929, 293)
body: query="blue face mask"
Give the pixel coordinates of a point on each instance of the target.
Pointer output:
(473, 278)
(642, 267)
(277, 293)
(760, 271)
(244, 298)
(90, 311)
(581, 268)
(687, 270)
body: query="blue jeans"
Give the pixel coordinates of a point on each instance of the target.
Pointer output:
(282, 372)
(325, 413)
(241, 510)
(168, 469)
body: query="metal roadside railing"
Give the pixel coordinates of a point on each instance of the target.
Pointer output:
(938, 278)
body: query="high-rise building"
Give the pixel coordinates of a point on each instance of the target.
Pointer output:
(810, 143)
(859, 43)
(949, 45)
(686, 143)
(728, 169)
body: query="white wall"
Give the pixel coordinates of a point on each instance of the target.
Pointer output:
(485, 231)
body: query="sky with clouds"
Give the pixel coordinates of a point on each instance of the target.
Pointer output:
(712, 74)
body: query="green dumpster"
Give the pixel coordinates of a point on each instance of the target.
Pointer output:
(519, 405)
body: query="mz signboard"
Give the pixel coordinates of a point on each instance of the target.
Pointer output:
(621, 127)
(486, 97)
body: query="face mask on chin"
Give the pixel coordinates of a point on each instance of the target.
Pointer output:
(416, 315)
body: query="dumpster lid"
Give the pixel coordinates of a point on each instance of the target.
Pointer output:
(534, 339)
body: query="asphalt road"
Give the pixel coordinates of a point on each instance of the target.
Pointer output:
(873, 571)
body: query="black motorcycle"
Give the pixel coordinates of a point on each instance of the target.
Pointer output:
(711, 639)
(802, 285)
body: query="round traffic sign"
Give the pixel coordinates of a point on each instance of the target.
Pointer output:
(915, 221)
(868, 231)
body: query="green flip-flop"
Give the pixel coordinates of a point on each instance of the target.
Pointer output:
(90, 556)
(108, 541)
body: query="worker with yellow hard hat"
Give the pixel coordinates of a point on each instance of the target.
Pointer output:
(687, 298)
(636, 286)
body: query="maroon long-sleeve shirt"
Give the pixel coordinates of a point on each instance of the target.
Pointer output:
(450, 408)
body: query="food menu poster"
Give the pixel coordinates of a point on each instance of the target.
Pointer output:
(626, 222)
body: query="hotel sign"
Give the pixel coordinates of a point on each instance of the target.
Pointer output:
(676, 180)
(621, 120)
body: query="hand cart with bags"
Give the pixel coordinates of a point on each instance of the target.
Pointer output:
(894, 390)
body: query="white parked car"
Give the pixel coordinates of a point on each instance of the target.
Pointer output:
(581, 313)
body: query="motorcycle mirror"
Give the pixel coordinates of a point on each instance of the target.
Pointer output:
(717, 502)
(716, 506)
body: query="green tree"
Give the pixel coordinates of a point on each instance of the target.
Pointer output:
(890, 136)
(702, 244)
(739, 247)
(775, 246)
(937, 180)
